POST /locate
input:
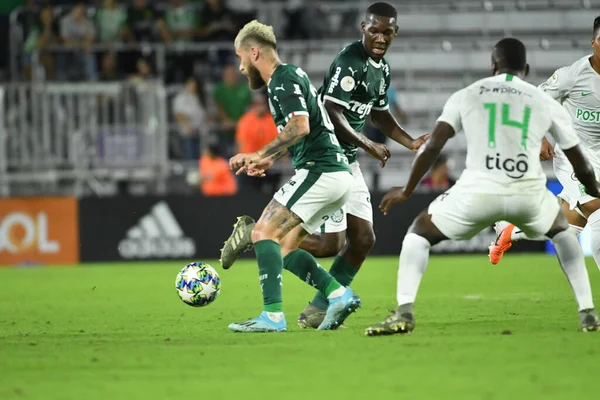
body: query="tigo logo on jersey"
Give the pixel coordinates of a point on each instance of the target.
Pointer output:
(514, 169)
(38, 231)
(157, 234)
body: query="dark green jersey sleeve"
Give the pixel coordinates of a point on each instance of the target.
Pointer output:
(382, 102)
(290, 95)
(344, 74)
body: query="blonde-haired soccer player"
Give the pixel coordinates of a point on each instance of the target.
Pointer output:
(321, 185)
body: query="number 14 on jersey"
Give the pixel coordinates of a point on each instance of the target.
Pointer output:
(523, 126)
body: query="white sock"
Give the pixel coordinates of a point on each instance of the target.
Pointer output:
(518, 234)
(575, 230)
(594, 223)
(275, 316)
(572, 263)
(413, 263)
(337, 292)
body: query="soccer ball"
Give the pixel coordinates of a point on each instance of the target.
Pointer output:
(198, 284)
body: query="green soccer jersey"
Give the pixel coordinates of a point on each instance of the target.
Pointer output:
(292, 94)
(358, 83)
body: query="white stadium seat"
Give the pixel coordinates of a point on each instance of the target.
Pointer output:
(509, 21)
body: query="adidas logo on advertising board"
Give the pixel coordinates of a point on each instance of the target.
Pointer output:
(157, 235)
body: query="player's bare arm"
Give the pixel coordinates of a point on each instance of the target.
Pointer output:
(296, 129)
(345, 132)
(547, 151)
(258, 169)
(423, 162)
(387, 123)
(583, 170)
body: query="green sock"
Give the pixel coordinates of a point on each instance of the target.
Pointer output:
(270, 269)
(343, 272)
(305, 266)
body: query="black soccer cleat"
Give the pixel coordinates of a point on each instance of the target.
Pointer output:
(589, 320)
(402, 322)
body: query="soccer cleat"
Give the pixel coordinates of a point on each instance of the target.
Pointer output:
(311, 317)
(502, 243)
(339, 309)
(239, 241)
(262, 323)
(589, 320)
(402, 321)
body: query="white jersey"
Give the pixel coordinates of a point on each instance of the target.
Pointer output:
(577, 88)
(504, 120)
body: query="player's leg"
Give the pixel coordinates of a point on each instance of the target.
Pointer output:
(275, 222)
(591, 210)
(360, 238)
(567, 248)
(507, 233)
(575, 218)
(336, 309)
(414, 258)
(571, 196)
(295, 210)
(328, 241)
(451, 215)
(305, 266)
(359, 241)
(572, 262)
(341, 301)
(322, 245)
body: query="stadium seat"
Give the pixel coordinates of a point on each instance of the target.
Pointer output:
(509, 22)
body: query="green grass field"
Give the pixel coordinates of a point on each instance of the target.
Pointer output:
(119, 331)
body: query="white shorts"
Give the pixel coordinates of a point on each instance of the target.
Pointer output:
(359, 204)
(573, 191)
(461, 216)
(314, 196)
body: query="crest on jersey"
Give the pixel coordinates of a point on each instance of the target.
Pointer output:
(382, 87)
(337, 216)
(347, 83)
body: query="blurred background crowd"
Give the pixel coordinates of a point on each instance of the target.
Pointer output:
(168, 100)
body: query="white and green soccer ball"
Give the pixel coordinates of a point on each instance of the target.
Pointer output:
(198, 284)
